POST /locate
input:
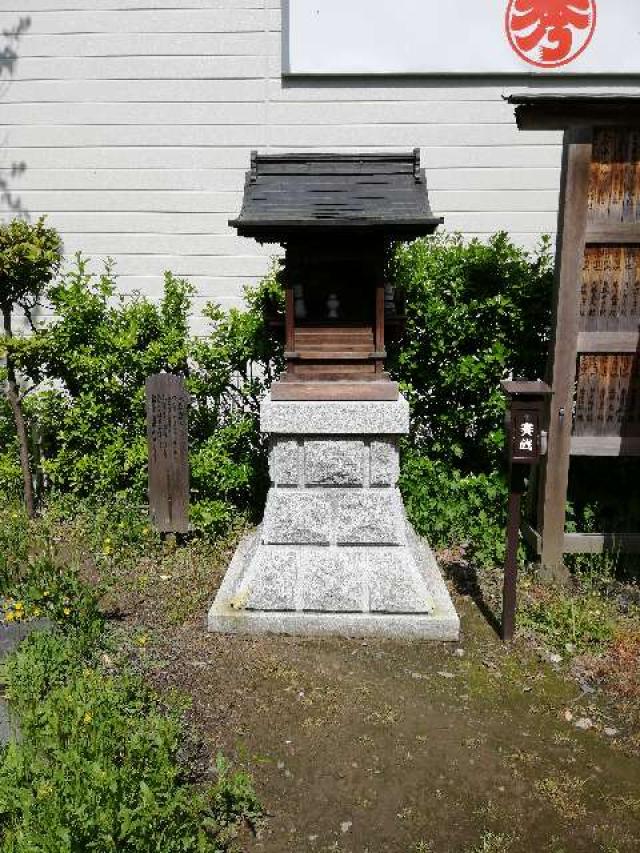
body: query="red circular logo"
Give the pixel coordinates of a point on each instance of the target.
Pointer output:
(550, 33)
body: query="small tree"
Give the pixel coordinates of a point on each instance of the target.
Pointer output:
(30, 256)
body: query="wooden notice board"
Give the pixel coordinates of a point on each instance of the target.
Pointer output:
(168, 441)
(594, 359)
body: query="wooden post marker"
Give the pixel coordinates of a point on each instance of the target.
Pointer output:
(525, 444)
(167, 404)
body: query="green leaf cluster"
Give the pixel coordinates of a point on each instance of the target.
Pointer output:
(452, 508)
(98, 764)
(586, 620)
(88, 369)
(477, 313)
(30, 256)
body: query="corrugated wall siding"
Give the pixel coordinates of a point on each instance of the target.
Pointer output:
(130, 123)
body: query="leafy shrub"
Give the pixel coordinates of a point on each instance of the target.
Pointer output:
(451, 508)
(98, 764)
(55, 591)
(30, 256)
(14, 545)
(10, 473)
(98, 354)
(476, 313)
(89, 368)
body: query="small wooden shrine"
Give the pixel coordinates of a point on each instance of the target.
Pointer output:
(335, 553)
(336, 215)
(593, 367)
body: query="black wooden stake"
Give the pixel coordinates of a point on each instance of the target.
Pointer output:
(516, 487)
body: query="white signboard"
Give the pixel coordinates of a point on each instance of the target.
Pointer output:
(462, 37)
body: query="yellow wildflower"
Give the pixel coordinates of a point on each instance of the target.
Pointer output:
(9, 616)
(19, 605)
(66, 611)
(142, 640)
(37, 611)
(87, 718)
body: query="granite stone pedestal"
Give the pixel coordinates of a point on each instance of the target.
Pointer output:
(335, 553)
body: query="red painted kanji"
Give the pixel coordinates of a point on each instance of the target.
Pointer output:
(549, 33)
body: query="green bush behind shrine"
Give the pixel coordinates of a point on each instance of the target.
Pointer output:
(477, 312)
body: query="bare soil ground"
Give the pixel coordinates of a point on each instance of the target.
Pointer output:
(378, 746)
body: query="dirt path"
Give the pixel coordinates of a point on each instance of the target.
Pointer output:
(381, 746)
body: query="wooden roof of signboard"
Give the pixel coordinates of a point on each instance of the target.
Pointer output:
(291, 194)
(556, 111)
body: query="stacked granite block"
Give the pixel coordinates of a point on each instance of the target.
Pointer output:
(335, 552)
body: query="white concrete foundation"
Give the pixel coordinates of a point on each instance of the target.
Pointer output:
(335, 553)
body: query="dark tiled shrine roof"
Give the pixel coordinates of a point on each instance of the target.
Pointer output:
(295, 194)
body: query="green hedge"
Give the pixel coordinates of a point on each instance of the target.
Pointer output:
(88, 369)
(477, 312)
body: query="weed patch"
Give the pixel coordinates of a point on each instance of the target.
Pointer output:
(563, 793)
(566, 622)
(98, 763)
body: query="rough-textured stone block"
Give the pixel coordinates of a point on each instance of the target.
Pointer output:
(322, 417)
(271, 582)
(330, 581)
(385, 463)
(297, 516)
(336, 462)
(369, 516)
(284, 462)
(335, 553)
(441, 623)
(395, 584)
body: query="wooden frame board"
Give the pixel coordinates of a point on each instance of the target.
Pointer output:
(593, 364)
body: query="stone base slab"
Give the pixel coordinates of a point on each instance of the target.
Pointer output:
(379, 592)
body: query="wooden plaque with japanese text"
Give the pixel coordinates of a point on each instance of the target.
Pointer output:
(594, 355)
(167, 405)
(606, 417)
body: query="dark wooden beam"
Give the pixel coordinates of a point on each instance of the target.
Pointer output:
(554, 472)
(345, 390)
(598, 543)
(621, 233)
(605, 445)
(556, 111)
(609, 342)
(531, 537)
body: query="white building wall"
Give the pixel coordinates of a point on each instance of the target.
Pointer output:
(131, 128)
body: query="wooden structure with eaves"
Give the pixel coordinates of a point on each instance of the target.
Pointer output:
(594, 358)
(336, 215)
